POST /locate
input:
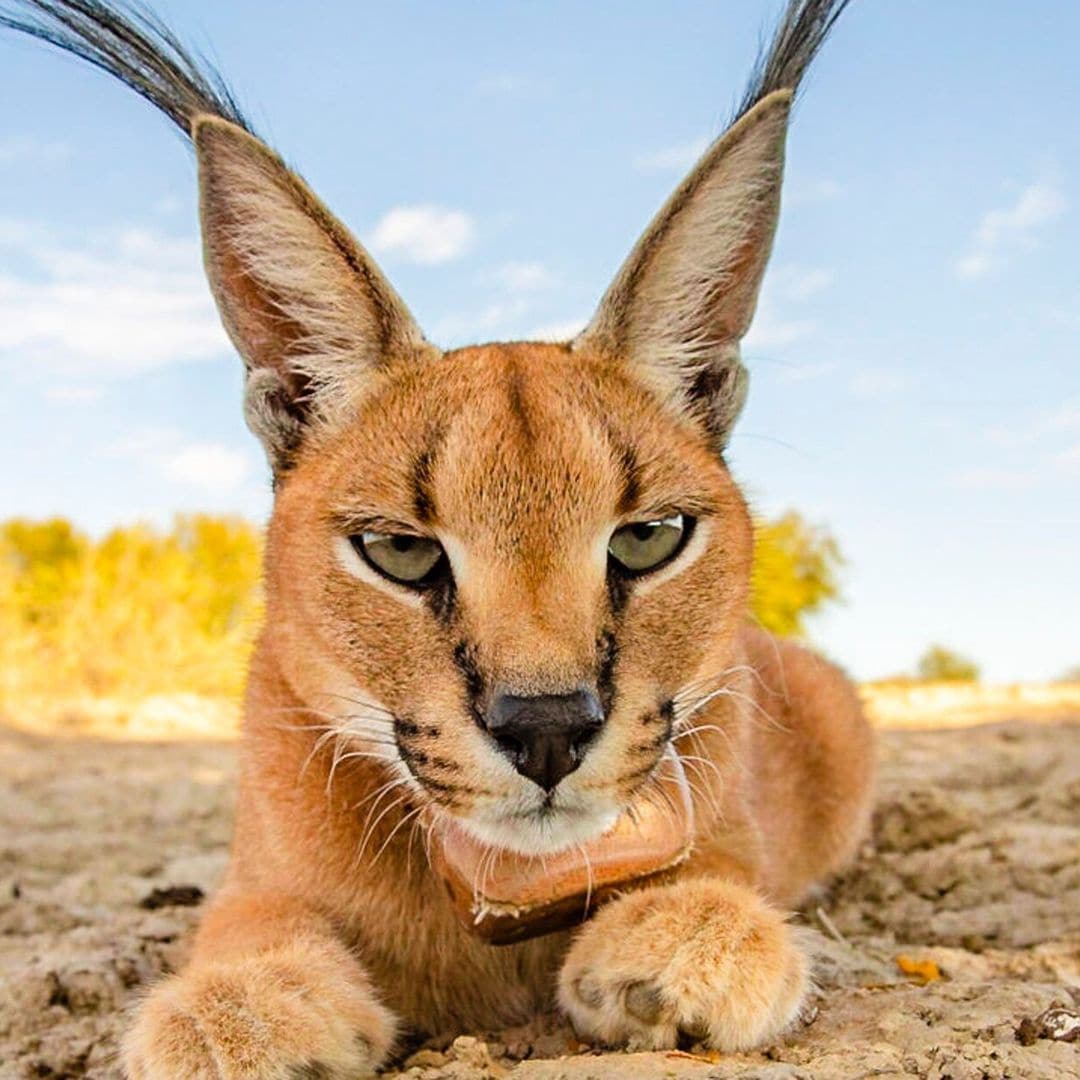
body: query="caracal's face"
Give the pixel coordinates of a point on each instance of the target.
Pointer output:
(521, 462)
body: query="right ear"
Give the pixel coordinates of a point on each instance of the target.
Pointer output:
(305, 305)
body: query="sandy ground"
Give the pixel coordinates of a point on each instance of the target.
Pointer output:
(972, 879)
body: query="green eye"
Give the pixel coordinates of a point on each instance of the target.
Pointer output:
(401, 557)
(644, 545)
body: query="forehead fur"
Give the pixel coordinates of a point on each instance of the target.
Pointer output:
(494, 439)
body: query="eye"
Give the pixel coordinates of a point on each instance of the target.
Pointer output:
(644, 545)
(402, 557)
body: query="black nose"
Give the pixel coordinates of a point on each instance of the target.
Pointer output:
(545, 737)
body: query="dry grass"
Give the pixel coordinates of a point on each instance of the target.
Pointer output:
(181, 715)
(951, 705)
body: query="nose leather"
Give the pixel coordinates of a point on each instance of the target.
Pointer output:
(546, 736)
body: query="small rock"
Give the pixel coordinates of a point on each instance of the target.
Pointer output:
(172, 896)
(426, 1059)
(1058, 1024)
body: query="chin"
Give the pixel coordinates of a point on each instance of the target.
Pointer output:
(543, 830)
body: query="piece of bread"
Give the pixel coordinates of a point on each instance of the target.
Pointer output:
(503, 896)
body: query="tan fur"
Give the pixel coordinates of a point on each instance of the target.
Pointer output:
(782, 792)
(363, 717)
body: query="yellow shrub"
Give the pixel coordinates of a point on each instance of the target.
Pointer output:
(142, 611)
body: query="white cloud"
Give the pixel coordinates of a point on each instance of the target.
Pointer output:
(68, 393)
(519, 277)
(32, 151)
(796, 373)
(802, 283)
(877, 385)
(669, 158)
(423, 234)
(210, 467)
(786, 289)
(800, 192)
(169, 204)
(516, 287)
(507, 85)
(993, 479)
(1005, 231)
(112, 305)
(560, 330)
(1068, 460)
(771, 331)
(1022, 432)
(496, 318)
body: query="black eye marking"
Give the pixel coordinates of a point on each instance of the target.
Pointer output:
(442, 598)
(618, 590)
(607, 656)
(465, 661)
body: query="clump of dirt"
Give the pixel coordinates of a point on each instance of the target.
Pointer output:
(950, 949)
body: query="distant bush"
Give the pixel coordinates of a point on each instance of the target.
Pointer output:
(139, 611)
(795, 573)
(939, 664)
(144, 611)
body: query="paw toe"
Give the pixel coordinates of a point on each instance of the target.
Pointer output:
(644, 1001)
(311, 1071)
(589, 991)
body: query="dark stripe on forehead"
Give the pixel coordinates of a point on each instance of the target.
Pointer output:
(423, 477)
(631, 478)
(626, 461)
(515, 389)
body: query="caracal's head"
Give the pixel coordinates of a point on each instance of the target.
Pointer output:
(497, 569)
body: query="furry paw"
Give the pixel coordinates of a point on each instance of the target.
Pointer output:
(304, 1011)
(703, 960)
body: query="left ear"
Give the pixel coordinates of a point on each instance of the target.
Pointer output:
(686, 295)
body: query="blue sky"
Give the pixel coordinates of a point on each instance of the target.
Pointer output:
(915, 369)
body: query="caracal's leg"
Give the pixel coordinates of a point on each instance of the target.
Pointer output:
(270, 993)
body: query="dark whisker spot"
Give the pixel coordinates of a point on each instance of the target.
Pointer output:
(444, 763)
(636, 774)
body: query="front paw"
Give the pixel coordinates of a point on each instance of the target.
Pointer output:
(703, 960)
(303, 1011)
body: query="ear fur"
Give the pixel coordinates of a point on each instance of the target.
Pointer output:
(687, 292)
(307, 308)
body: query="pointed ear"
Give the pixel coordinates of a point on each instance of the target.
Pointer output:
(304, 304)
(683, 299)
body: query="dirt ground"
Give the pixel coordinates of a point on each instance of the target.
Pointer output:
(972, 880)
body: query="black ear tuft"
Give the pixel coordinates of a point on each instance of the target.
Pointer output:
(133, 45)
(797, 39)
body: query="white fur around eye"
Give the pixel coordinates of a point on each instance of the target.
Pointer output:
(683, 561)
(350, 561)
(457, 555)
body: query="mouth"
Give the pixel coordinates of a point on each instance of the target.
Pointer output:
(546, 829)
(505, 891)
